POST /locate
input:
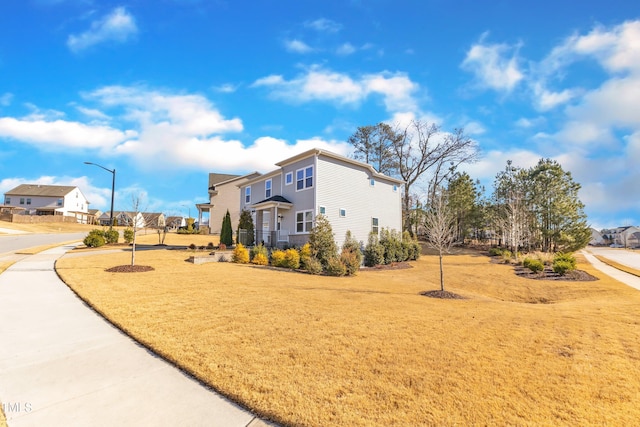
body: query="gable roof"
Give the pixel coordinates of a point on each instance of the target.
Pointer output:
(223, 178)
(41, 190)
(319, 152)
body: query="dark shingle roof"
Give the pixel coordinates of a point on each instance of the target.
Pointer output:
(41, 190)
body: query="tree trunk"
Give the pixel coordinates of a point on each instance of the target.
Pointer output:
(441, 274)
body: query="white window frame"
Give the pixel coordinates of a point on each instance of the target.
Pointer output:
(372, 182)
(268, 188)
(288, 178)
(342, 213)
(22, 200)
(395, 188)
(7, 200)
(60, 202)
(322, 210)
(375, 225)
(307, 224)
(247, 194)
(304, 178)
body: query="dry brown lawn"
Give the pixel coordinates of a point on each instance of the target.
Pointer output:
(369, 350)
(50, 227)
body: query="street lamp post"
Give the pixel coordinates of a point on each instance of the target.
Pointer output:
(113, 188)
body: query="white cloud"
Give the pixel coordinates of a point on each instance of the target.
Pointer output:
(118, 26)
(186, 131)
(318, 84)
(345, 49)
(5, 99)
(297, 46)
(226, 88)
(324, 25)
(495, 66)
(60, 134)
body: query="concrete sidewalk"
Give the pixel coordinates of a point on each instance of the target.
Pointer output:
(61, 364)
(621, 276)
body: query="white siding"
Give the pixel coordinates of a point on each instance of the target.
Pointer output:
(345, 186)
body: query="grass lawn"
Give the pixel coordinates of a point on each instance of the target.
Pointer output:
(369, 350)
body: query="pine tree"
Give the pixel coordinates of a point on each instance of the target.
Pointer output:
(226, 234)
(246, 223)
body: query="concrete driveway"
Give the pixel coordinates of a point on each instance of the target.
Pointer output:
(61, 364)
(618, 255)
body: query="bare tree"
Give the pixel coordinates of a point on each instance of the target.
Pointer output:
(136, 201)
(422, 147)
(440, 227)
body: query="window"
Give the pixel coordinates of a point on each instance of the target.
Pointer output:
(323, 210)
(395, 188)
(267, 189)
(304, 178)
(7, 200)
(22, 200)
(247, 194)
(343, 213)
(304, 221)
(288, 178)
(28, 200)
(60, 201)
(374, 225)
(372, 182)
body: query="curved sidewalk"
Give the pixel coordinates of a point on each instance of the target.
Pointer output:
(61, 364)
(621, 276)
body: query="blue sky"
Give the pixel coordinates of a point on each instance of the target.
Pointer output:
(166, 91)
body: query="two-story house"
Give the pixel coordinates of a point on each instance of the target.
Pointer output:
(351, 194)
(224, 194)
(37, 199)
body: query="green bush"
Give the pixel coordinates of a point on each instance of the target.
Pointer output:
(495, 251)
(565, 257)
(94, 239)
(335, 267)
(533, 264)
(562, 267)
(259, 250)
(111, 236)
(411, 248)
(321, 240)
(128, 235)
(373, 252)
(240, 254)
(311, 264)
(392, 244)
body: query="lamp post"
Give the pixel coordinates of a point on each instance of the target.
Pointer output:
(113, 188)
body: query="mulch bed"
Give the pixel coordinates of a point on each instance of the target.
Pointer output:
(441, 294)
(129, 269)
(549, 274)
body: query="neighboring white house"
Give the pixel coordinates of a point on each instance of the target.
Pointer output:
(351, 194)
(224, 194)
(596, 238)
(39, 199)
(124, 219)
(622, 237)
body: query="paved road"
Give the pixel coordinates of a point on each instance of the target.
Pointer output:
(628, 257)
(14, 242)
(621, 276)
(63, 365)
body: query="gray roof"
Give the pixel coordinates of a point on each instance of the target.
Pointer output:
(41, 190)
